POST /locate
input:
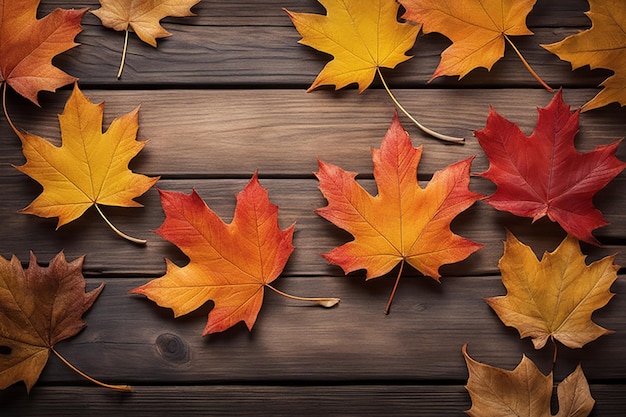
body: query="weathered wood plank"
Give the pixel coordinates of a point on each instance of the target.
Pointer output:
(131, 340)
(269, 12)
(218, 133)
(108, 254)
(241, 400)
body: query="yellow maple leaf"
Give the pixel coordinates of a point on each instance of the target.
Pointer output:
(90, 168)
(142, 16)
(602, 46)
(477, 29)
(555, 297)
(361, 35)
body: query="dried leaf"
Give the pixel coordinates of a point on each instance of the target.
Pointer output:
(543, 174)
(39, 307)
(553, 298)
(90, 168)
(142, 16)
(602, 46)
(524, 391)
(404, 222)
(29, 44)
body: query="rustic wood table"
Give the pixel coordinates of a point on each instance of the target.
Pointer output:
(225, 96)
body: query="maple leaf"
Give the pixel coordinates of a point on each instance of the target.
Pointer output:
(90, 168)
(543, 174)
(404, 222)
(230, 264)
(524, 391)
(142, 16)
(40, 307)
(27, 46)
(362, 37)
(477, 29)
(553, 298)
(602, 46)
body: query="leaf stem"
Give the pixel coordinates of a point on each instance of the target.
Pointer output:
(119, 72)
(395, 287)
(119, 232)
(6, 113)
(528, 67)
(418, 124)
(324, 302)
(554, 354)
(125, 388)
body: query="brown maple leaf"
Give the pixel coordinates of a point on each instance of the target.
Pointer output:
(553, 298)
(404, 222)
(143, 17)
(543, 174)
(90, 168)
(602, 46)
(230, 264)
(40, 307)
(524, 391)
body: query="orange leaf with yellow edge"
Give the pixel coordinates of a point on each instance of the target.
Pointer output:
(361, 35)
(28, 45)
(40, 307)
(477, 28)
(142, 16)
(404, 222)
(602, 46)
(553, 298)
(90, 168)
(524, 391)
(230, 264)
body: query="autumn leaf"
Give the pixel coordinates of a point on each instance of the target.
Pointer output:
(477, 29)
(230, 264)
(553, 298)
(543, 174)
(404, 222)
(602, 46)
(29, 44)
(90, 168)
(362, 36)
(524, 391)
(40, 307)
(142, 17)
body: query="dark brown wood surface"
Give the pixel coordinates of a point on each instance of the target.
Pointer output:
(225, 96)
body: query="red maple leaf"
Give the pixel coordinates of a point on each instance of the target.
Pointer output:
(543, 174)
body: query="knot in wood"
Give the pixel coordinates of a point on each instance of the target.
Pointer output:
(172, 348)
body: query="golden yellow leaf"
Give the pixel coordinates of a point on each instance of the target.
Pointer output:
(602, 46)
(90, 168)
(555, 297)
(361, 35)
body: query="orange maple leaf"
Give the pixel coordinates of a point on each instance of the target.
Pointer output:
(28, 45)
(553, 298)
(477, 29)
(404, 222)
(602, 46)
(90, 168)
(142, 16)
(230, 264)
(524, 391)
(40, 307)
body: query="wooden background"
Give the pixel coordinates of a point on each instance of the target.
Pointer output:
(224, 96)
